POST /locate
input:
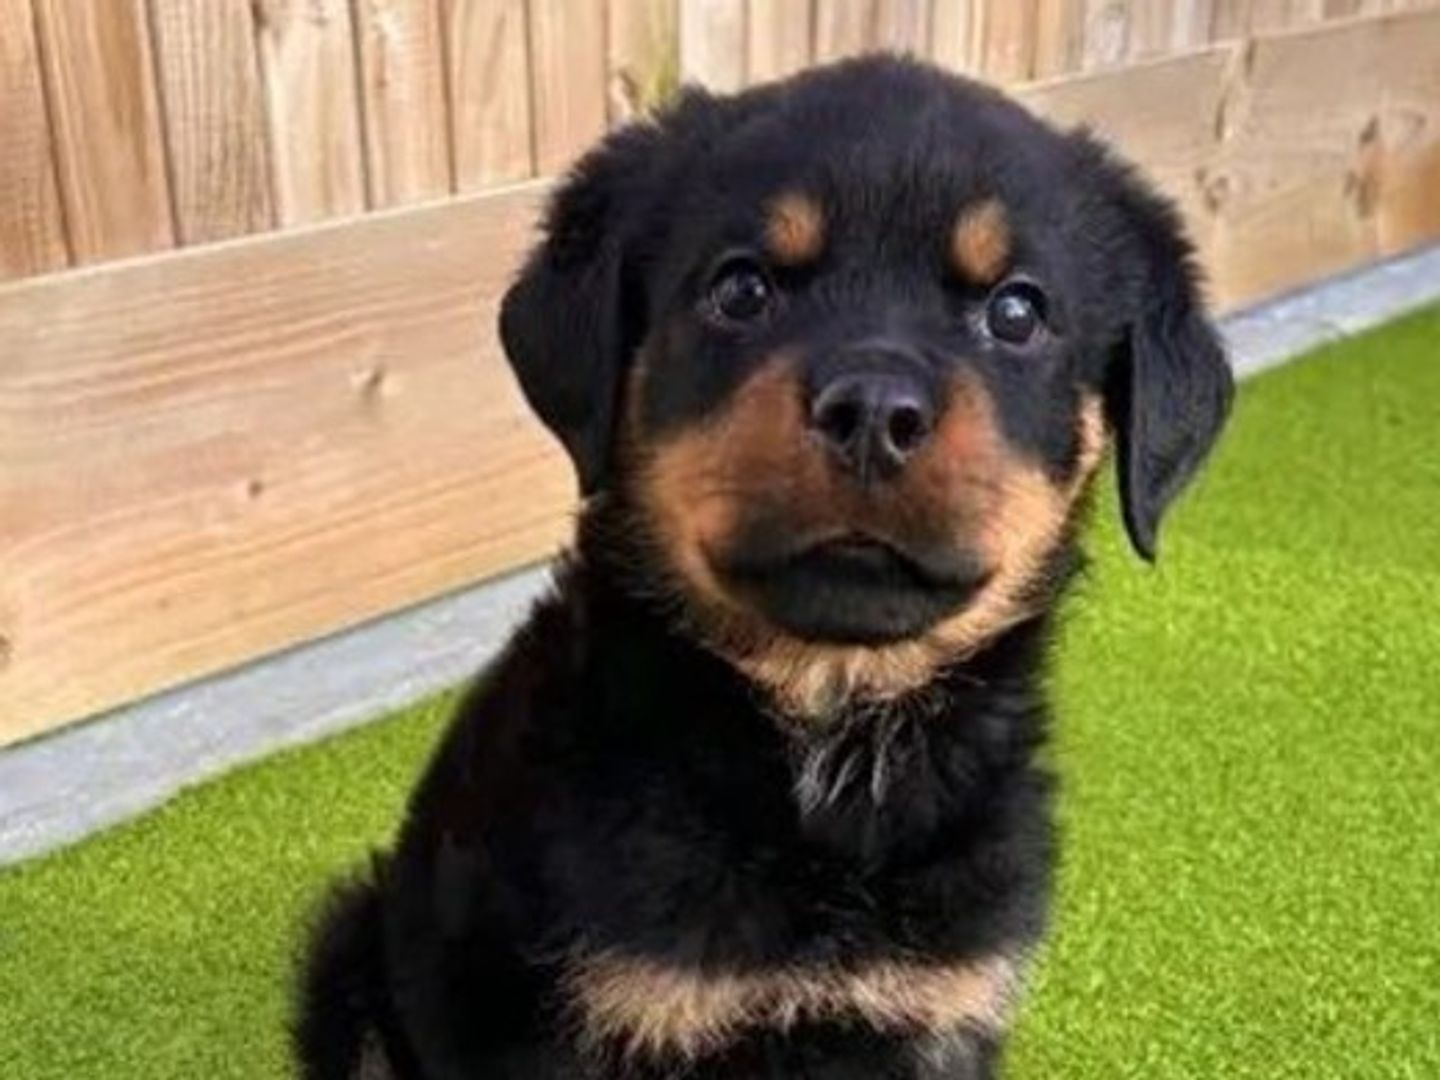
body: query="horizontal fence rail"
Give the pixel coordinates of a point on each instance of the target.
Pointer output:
(209, 454)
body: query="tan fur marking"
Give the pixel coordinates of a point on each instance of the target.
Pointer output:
(980, 242)
(649, 1009)
(794, 229)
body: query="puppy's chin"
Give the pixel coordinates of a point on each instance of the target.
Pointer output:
(854, 590)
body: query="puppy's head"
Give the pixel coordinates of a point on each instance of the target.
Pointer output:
(838, 357)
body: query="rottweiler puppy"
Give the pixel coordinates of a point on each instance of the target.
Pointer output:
(754, 791)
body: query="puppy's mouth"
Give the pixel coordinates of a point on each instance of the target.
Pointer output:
(853, 588)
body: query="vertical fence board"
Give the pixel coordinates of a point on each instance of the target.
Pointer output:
(32, 231)
(903, 25)
(307, 52)
(1107, 33)
(490, 116)
(567, 78)
(1230, 19)
(402, 80)
(842, 28)
(214, 118)
(106, 120)
(779, 34)
(644, 55)
(1270, 15)
(952, 34)
(1005, 39)
(712, 43)
(1059, 37)
(1238, 18)
(1151, 28)
(1190, 24)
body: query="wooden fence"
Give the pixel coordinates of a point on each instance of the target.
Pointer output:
(209, 454)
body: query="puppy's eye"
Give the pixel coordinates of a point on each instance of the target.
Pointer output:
(741, 292)
(1015, 312)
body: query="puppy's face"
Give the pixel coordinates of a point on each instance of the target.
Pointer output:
(843, 353)
(858, 418)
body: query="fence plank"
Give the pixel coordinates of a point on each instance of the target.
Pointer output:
(214, 118)
(1330, 155)
(106, 121)
(1239, 18)
(307, 53)
(32, 230)
(1005, 39)
(315, 427)
(644, 55)
(712, 43)
(1230, 19)
(1191, 23)
(903, 25)
(1059, 37)
(402, 80)
(490, 113)
(842, 28)
(779, 38)
(1107, 33)
(952, 34)
(567, 78)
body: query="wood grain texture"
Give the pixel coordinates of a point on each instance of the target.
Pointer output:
(644, 62)
(712, 43)
(1191, 22)
(1239, 18)
(402, 87)
(1005, 39)
(105, 115)
(1329, 154)
(1107, 33)
(567, 79)
(1230, 19)
(211, 455)
(490, 114)
(32, 230)
(214, 110)
(843, 28)
(1059, 37)
(307, 55)
(952, 33)
(903, 26)
(779, 36)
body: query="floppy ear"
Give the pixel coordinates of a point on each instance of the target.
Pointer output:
(1169, 385)
(570, 321)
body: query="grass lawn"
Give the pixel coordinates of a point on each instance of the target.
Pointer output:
(1250, 742)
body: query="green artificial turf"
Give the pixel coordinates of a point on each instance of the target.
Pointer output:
(1250, 743)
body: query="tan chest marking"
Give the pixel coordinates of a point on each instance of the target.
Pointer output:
(649, 1009)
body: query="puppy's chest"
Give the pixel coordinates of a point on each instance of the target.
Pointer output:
(786, 923)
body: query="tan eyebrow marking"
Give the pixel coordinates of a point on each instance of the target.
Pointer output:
(794, 229)
(980, 243)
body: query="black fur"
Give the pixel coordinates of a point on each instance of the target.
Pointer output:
(611, 783)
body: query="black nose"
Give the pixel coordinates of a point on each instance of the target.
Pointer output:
(873, 421)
